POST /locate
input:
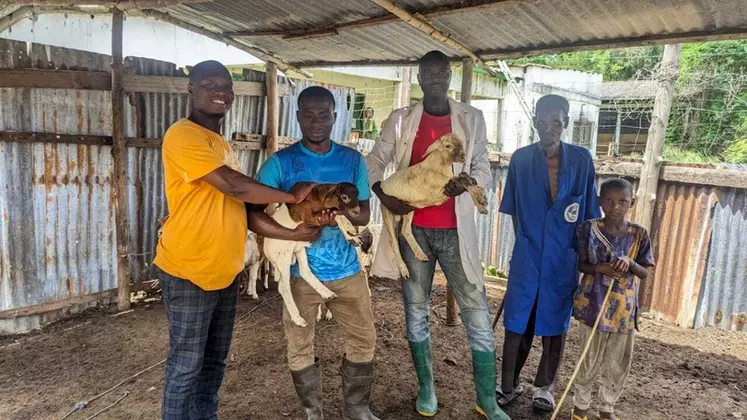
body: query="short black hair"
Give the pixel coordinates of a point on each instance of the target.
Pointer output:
(316, 92)
(552, 102)
(615, 184)
(434, 56)
(207, 69)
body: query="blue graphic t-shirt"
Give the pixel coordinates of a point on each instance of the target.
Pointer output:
(331, 257)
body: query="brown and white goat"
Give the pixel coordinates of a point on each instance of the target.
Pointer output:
(422, 185)
(342, 197)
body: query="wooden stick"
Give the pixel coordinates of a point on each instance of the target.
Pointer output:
(586, 350)
(119, 152)
(430, 30)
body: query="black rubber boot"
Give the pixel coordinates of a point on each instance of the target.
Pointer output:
(356, 390)
(308, 383)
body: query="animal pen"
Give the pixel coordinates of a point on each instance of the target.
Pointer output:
(81, 184)
(81, 187)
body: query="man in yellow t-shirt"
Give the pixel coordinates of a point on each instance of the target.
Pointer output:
(200, 252)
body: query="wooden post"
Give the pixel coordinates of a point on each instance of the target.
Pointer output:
(466, 97)
(404, 86)
(652, 158)
(119, 153)
(273, 108)
(616, 142)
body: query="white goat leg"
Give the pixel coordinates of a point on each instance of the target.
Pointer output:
(319, 313)
(393, 241)
(267, 274)
(310, 278)
(253, 274)
(284, 288)
(348, 229)
(321, 310)
(410, 238)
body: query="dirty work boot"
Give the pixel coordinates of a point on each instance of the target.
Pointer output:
(483, 365)
(356, 390)
(422, 357)
(308, 383)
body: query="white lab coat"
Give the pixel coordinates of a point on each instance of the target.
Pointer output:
(395, 145)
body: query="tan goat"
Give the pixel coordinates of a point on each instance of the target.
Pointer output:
(422, 185)
(282, 254)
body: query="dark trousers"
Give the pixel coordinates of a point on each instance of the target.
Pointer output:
(516, 349)
(200, 330)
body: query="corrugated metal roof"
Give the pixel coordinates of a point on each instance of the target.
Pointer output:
(492, 28)
(629, 90)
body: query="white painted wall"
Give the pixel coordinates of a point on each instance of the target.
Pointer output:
(583, 91)
(142, 37)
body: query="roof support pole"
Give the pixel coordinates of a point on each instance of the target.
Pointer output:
(119, 152)
(652, 158)
(273, 108)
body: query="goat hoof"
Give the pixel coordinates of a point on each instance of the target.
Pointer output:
(404, 272)
(328, 317)
(254, 296)
(330, 297)
(299, 322)
(421, 256)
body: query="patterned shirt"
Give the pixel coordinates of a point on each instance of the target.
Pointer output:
(622, 308)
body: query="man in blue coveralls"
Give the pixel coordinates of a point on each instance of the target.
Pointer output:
(550, 190)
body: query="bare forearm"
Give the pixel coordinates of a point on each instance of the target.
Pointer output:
(587, 268)
(241, 187)
(264, 225)
(639, 271)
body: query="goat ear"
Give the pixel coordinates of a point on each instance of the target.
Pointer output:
(271, 208)
(430, 149)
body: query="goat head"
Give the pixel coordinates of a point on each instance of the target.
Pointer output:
(451, 145)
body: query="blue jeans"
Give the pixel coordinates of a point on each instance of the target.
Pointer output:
(442, 246)
(200, 330)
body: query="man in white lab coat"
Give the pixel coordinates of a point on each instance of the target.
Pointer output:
(446, 233)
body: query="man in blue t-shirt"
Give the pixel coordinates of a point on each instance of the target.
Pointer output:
(331, 258)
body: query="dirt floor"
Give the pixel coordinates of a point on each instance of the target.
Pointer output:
(677, 373)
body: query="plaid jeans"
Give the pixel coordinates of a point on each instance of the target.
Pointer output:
(200, 330)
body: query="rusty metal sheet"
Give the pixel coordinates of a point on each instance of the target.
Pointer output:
(680, 235)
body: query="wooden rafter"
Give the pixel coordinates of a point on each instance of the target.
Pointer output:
(255, 51)
(427, 28)
(121, 4)
(433, 12)
(16, 16)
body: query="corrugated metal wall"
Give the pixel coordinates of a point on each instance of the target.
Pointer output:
(723, 292)
(57, 236)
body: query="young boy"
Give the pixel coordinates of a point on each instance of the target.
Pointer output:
(610, 250)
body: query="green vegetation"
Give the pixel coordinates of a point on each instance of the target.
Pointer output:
(708, 121)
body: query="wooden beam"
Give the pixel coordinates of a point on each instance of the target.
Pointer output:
(599, 44)
(121, 4)
(273, 108)
(167, 84)
(433, 12)
(467, 73)
(26, 137)
(16, 16)
(404, 86)
(652, 158)
(255, 51)
(55, 79)
(424, 26)
(47, 307)
(119, 152)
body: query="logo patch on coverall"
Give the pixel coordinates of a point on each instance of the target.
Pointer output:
(571, 213)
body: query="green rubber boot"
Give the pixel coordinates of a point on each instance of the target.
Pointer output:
(483, 365)
(422, 358)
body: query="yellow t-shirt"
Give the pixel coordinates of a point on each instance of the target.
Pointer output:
(203, 239)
